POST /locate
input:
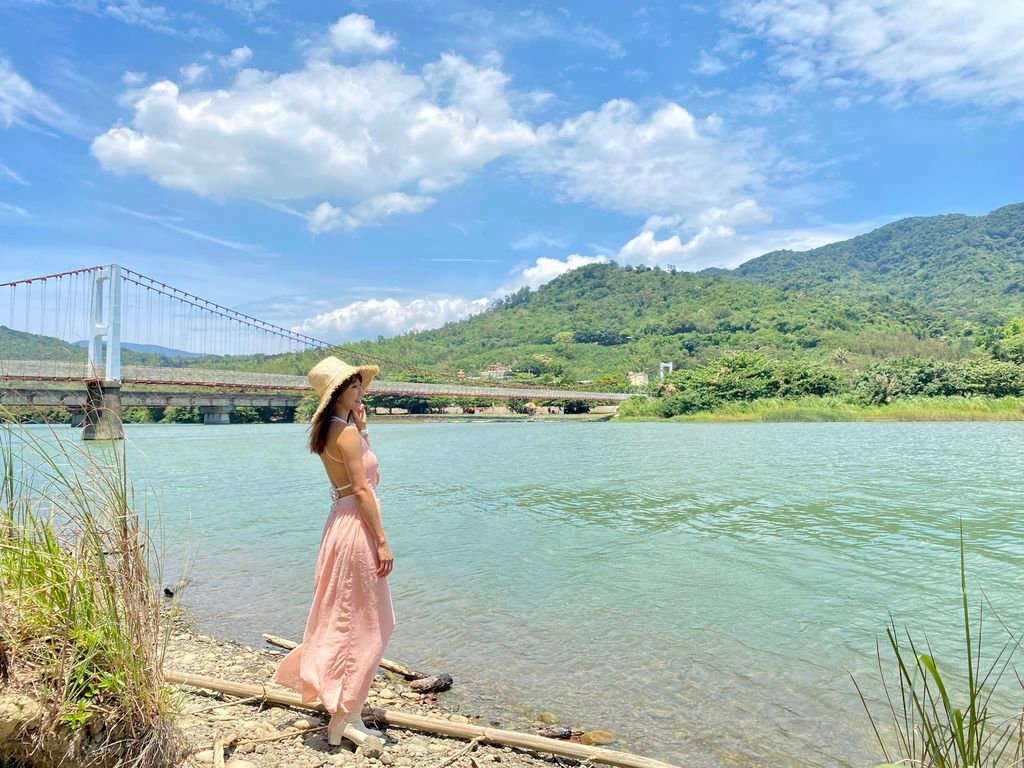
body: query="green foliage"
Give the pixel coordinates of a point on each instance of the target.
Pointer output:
(1007, 343)
(142, 415)
(907, 376)
(958, 266)
(174, 414)
(245, 414)
(744, 377)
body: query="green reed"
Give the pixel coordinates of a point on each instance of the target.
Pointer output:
(81, 628)
(941, 719)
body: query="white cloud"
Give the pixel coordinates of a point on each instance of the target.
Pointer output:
(237, 58)
(356, 33)
(326, 217)
(544, 270)
(489, 29)
(132, 79)
(388, 317)
(12, 209)
(13, 175)
(709, 65)
(326, 131)
(958, 52)
(667, 162)
(193, 73)
(20, 102)
(720, 245)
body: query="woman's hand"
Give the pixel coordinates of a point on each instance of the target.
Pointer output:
(359, 417)
(385, 559)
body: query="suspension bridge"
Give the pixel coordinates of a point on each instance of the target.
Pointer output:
(68, 333)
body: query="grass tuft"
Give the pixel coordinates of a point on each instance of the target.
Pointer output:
(941, 719)
(81, 630)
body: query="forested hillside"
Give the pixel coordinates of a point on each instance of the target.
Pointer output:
(962, 266)
(605, 318)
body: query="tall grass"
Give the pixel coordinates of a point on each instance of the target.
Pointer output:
(81, 631)
(942, 719)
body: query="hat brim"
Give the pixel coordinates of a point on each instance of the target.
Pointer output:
(366, 372)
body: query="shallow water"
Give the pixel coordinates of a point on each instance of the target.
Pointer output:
(702, 590)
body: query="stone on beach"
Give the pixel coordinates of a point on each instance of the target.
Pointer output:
(597, 737)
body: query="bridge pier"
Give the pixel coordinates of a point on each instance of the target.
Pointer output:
(77, 417)
(216, 414)
(102, 411)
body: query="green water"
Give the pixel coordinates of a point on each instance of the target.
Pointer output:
(702, 590)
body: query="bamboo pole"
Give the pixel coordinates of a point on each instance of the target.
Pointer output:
(597, 755)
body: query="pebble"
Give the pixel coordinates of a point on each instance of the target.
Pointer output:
(548, 718)
(301, 724)
(237, 763)
(387, 693)
(597, 737)
(459, 719)
(205, 757)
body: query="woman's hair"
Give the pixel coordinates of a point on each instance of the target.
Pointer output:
(322, 422)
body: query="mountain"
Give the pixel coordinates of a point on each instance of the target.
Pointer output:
(960, 266)
(18, 345)
(606, 318)
(149, 349)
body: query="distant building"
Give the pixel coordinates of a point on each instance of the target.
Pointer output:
(461, 375)
(496, 371)
(638, 378)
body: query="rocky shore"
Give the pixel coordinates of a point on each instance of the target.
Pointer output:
(254, 735)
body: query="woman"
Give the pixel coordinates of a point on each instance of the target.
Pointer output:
(351, 618)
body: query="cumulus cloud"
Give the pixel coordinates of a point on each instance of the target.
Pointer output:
(719, 245)
(958, 52)
(326, 217)
(326, 131)
(388, 317)
(237, 58)
(544, 270)
(667, 162)
(356, 33)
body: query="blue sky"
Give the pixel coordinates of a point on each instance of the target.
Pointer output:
(364, 168)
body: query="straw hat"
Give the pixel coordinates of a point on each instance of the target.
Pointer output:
(330, 373)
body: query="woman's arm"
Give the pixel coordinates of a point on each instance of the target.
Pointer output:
(366, 501)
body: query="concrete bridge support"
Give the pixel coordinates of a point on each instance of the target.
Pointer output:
(102, 411)
(216, 414)
(77, 417)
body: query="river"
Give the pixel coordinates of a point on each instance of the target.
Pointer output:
(704, 591)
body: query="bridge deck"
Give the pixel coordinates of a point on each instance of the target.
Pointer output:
(26, 371)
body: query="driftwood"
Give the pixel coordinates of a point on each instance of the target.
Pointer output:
(596, 755)
(434, 684)
(390, 666)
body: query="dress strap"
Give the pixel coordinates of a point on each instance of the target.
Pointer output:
(338, 419)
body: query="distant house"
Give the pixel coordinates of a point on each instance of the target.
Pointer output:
(496, 371)
(638, 378)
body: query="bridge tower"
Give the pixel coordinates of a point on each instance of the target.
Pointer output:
(103, 383)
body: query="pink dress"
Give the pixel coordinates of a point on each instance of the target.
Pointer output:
(351, 618)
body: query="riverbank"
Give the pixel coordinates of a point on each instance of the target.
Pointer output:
(255, 735)
(831, 409)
